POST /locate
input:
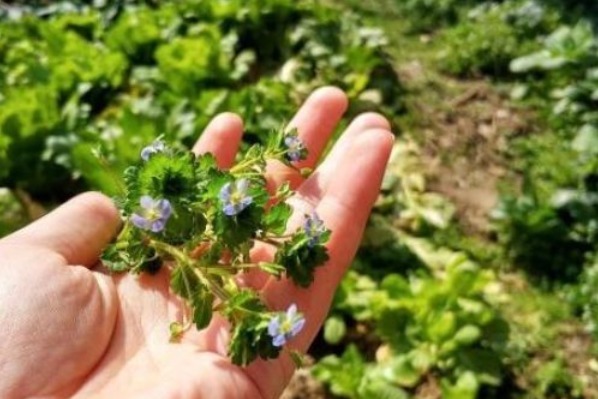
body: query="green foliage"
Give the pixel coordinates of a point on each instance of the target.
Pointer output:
(548, 239)
(250, 337)
(438, 323)
(493, 35)
(301, 259)
(566, 47)
(426, 15)
(556, 381)
(13, 213)
(116, 75)
(550, 230)
(188, 64)
(584, 296)
(352, 377)
(181, 212)
(84, 88)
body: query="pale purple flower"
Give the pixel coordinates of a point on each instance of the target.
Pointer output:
(153, 215)
(296, 149)
(154, 148)
(314, 228)
(234, 197)
(285, 325)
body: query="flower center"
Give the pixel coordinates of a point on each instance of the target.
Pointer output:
(286, 326)
(152, 214)
(236, 197)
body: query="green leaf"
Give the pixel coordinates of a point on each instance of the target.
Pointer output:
(484, 363)
(189, 63)
(97, 174)
(403, 371)
(271, 268)
(170, 176)
(344, 374)
(184, 224)
(237, 230)
(334, 330)
(206, 163)
(374, 385)
(441, 326)
(176, 331)
(468, 335)
(243, 300)
(586, 140)
(128, 254)
(249, 318)
(300, 261)
(202, 308)
(185, 283)
(250, 339)
(210, 182)
(275, 140)
(275, 220)
(467, 387)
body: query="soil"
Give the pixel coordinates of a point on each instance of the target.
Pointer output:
(304, 386)
(463, 127)
(578, 347)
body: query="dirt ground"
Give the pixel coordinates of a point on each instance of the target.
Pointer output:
(463, 127)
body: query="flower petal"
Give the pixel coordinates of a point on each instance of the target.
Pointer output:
(229, 209)
(242, 185)
(297, 326)
(147, 202)
(279, 340)
(146, 153)
(158, 225)
(274, 327)
(165, 208)
(225, 192)
(291, 311)
(139, 221)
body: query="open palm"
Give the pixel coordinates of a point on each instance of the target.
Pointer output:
(71, 330)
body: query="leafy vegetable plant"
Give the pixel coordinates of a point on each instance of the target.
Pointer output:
(181, 212)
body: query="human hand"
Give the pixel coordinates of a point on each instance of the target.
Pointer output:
(70, 330)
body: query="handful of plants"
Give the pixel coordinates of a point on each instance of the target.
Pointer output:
(182, 212)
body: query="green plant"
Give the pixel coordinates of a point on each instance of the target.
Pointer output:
(555, 381)
(548, 239)
(436, 324)
(566, 47)
(427, 15)
(109, 78)
(493, 36)
(584, 296)
(183, 213)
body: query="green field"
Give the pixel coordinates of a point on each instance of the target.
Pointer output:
(478, 272)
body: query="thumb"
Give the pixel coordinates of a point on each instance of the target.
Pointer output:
(78, 230)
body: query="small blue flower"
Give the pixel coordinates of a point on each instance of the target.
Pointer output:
(314, 228)
(284, 326)
(154, 148)
(154, 214)
(296, 149)
(234, 197)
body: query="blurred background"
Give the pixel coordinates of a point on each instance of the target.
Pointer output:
(477, 274)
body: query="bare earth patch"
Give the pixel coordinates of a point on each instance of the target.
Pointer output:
(463, 127)
(304, 386)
